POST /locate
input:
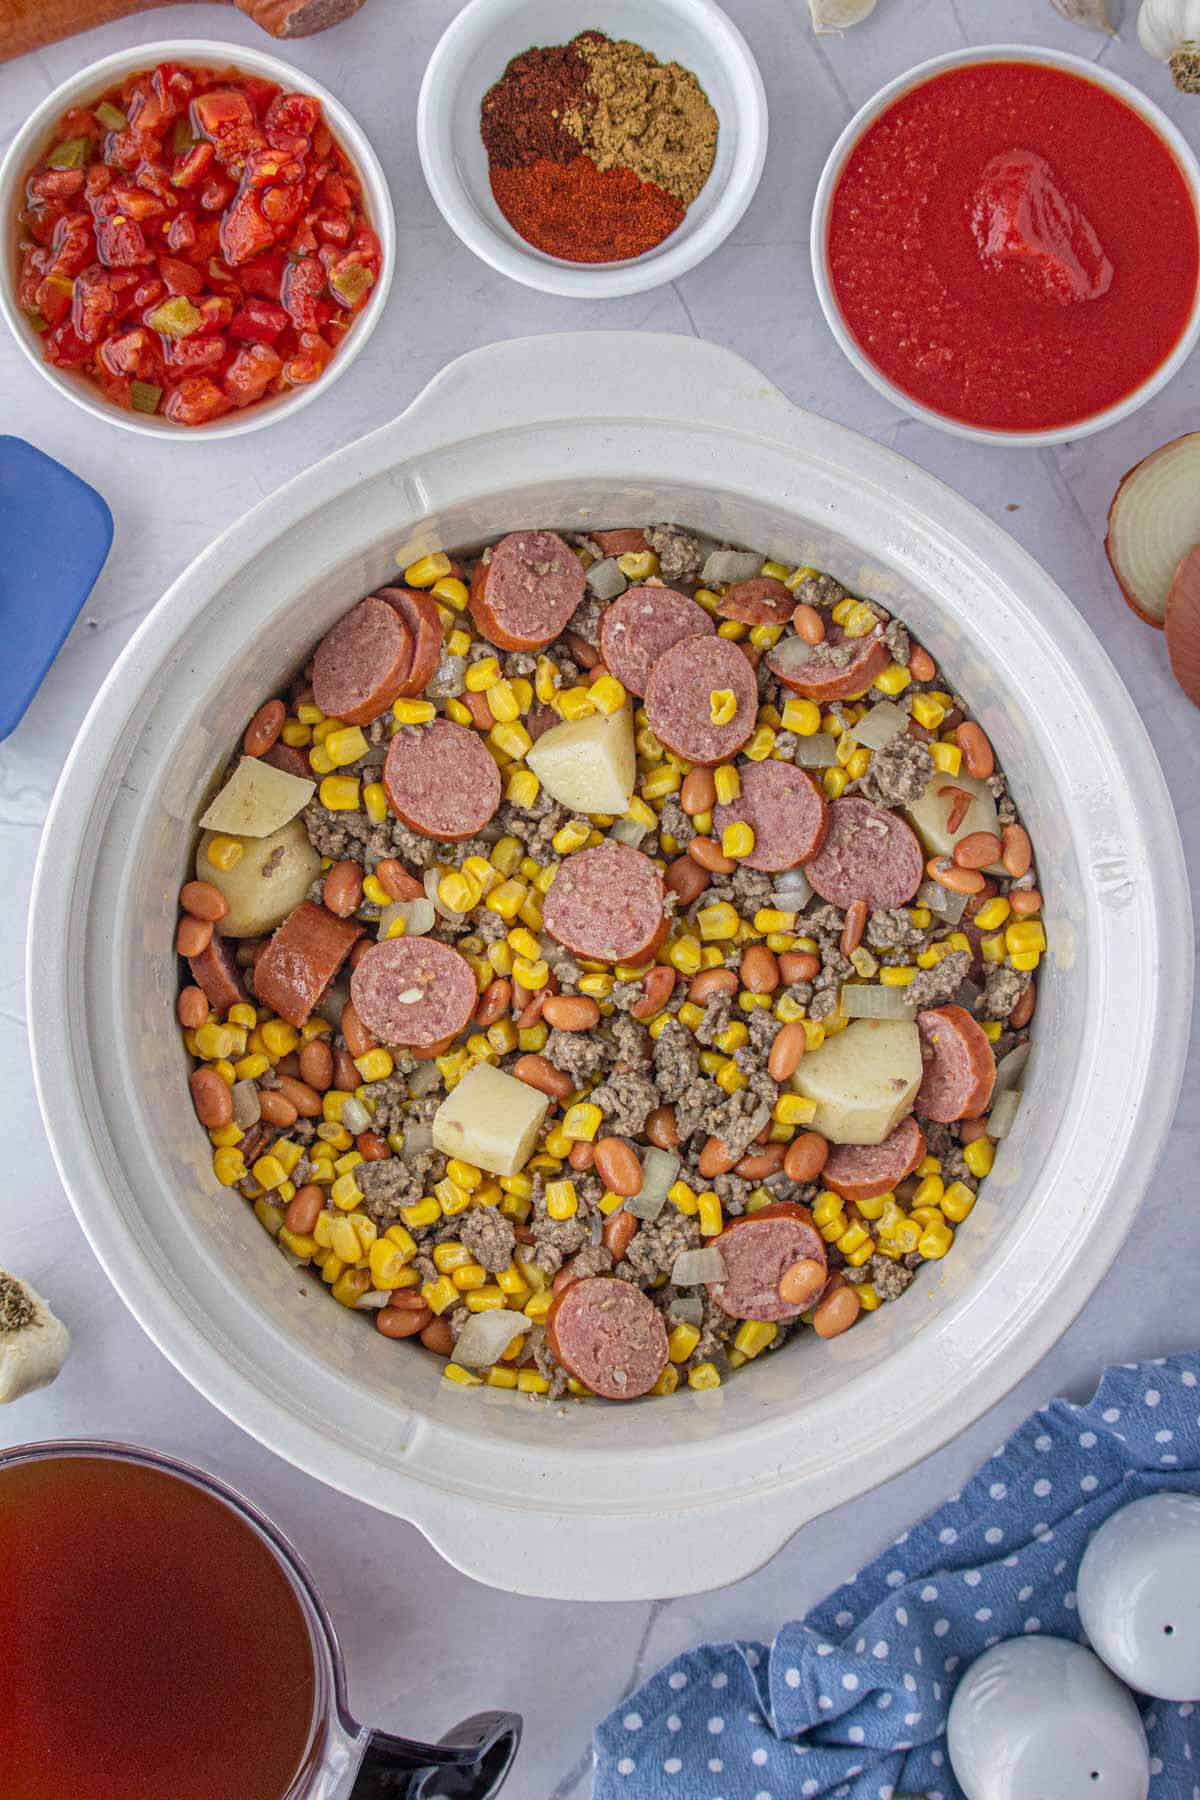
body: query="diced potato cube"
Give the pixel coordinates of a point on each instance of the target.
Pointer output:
(588, 764)
(490, 1119)
(257, 800)
(928, 814)
(864, 1080)
(267, 882)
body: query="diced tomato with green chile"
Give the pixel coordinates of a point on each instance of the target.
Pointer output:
(197, 235)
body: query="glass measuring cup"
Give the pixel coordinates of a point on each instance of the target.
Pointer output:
(77, 1514)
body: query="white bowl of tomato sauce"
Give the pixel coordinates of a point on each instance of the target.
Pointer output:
(199, 239)
(1006, 243)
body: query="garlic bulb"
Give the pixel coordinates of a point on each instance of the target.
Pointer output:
(33, 1343)
(1093, 13)
(1170, 31)
(836, 15)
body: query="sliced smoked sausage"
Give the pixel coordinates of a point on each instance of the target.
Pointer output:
(757, 1249)
(291, 760)
(361, 664)
(423, 620)
(301, 959)
(636, 629)
(441, 779)
(960, 1069)
(415, 992)
(760, 601)
(609, 1335)
(869, 854)
(832, 670)
(524, 593)
(784, 808)
(679, 698)
(861, 1171)
(607, 903)
(216, 971)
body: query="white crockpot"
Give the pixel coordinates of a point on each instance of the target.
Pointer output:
(661, 1497)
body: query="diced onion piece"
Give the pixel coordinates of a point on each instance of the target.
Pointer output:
(418, 1138)
(790, 655)
(628, 831)
(730, 565)
(816, 752)
(692, 1268)
(792, 891)
(605, 579)
(943, 901)
(246, 1109)
(374, 1300)
(879, 726)
(687, 1309)
(871, 1000)
(1009, 1070)
(1003, 1114)
(424, 1078)
(486, 1336)
(355, 1116)
(333, 1002)
(432, 877)
(1153, 522)
(659, 1170)
(418, 916)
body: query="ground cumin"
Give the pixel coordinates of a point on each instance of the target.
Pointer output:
(644, 115)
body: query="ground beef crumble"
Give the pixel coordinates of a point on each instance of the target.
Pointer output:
(489, 1237)
(899, 773)
(1002, 988)
(934, 987)
(680, 555)
(656, 1243)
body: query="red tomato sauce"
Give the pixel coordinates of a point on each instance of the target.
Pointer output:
(194, 242)
(1013, 246)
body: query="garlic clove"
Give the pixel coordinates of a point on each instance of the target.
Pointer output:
(33, 1343)
(1169, 31)
(1093, 13)
(838, 15)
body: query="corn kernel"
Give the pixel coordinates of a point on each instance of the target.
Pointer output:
(345, 1192)
(229, 1165)
(340, 793)
(928, 711)
(607, 694)
(794, 1109)
(826, 1207)
(413, 712)
(303, 1247)
(787, 1010)
(453, 592)
(375, 1065)
(638, 565)
(734, 1037)
(708, 1208)
(834, 782)
(1024, 936)
(345, 745)
(427, 569)
(946, 757)
(662, 781)
(582, 1122)
(729, 1077)
(935, 1241)
(503, 703)
(423, 1212)
(704, 1375)
(737, 839)
(574, 703)
(722, 706)
(979, 1157)
(523, 787)
(667, 1382)
(753, 1337)
(486, 1299)
(561, 1200)
(728, 783)
(461, 1377)
(682, 1341)
(683, 1198)
(717, 922)
(684, 954)
(894, 680)
(957, 1202)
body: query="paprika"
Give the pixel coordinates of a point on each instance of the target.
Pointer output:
(584, 214)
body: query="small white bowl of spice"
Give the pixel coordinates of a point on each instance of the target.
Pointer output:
(592, 149)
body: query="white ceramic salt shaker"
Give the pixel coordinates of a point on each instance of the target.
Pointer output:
(1139, 1595)
(1037, 1718)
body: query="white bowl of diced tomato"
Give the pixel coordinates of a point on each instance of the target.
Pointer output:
(201, 239)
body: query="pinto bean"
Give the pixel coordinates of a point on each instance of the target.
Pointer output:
(709, 854)
(363, 948)
(760, 1163)
(708, 982)
(699, 791)
(203, 901)
(304, 1209)
(715, 1158)
(537, 1072)
(191, 1008)
(396, 879)
(977, 850)
(856, 924)
(800, 1284)
(264, 728)
(958, 881)
(402, 1322)
(494, 1002)
(921, 665)
(619, 1166)
(358, 1038)
(787, 1048)
(798, 965)
(316, 1064)
(193, 936)
(977, 750)
(759, 969)
(345, 1076)
(661, 1130)
(581, 1155)
(659, 984)
(616, 1233)
(837, 1309)
(371, 1147)
(1022, 1012)
(571, 1012)
(305, 1099)
(275, 1109)
(211, 1098)
(1016, 851)
(808, 624)
(343, 888)
(438, 1337)
(1024, 902)
(970, 1129)
(805, 1156)
(686, 879)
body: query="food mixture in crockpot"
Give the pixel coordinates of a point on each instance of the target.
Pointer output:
(614, 955)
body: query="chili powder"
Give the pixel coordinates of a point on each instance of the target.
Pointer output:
(582, 214)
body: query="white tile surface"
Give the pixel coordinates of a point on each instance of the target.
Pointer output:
(425, 1645)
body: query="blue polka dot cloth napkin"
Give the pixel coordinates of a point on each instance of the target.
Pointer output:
(852, 1700)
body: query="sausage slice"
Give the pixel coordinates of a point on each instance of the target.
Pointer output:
(290, 759)
(960, 1069)
(636, 629)
(679, 701)
(869, 854)
(416, 992)
(423, 620)
(761, 601)
(607, 903)
(361, 664)
(861, 1171)
(441, 779)
(785, 809)
(522, 597)
(301, 959)
(757, 1249)
(836, 669)
(216, 971)
(609, 1335)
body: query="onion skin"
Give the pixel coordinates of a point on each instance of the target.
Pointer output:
(1131, 598)
(1183, 625)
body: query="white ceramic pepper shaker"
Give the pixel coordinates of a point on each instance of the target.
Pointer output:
(1037, 1718)
(1139, 1595)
